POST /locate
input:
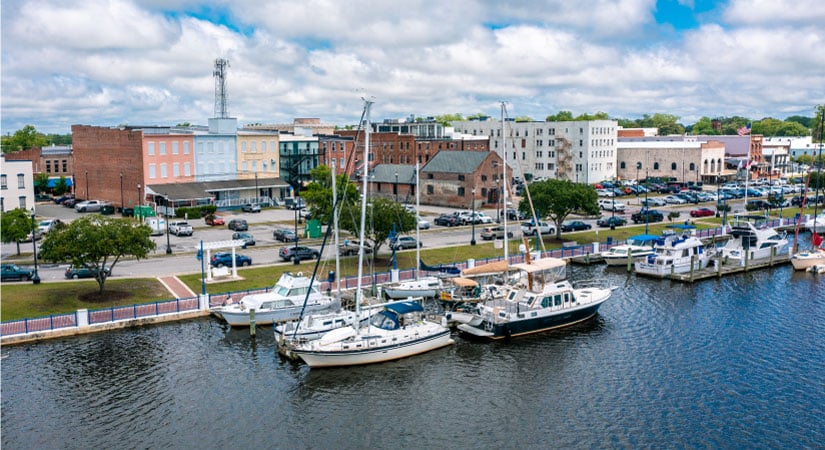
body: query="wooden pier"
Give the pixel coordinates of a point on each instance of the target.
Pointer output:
(721, 269)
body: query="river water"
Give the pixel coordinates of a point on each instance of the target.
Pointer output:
(731, 363)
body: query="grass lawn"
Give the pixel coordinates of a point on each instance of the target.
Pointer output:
(26, 300)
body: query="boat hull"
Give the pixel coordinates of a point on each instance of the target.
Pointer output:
(494, 331)
(236, 317)
(372, 351)
(398, 294)
(665, 270)
(806, 260)
(622, 260)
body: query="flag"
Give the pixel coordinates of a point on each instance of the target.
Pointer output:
(744, 130)
(816, 240)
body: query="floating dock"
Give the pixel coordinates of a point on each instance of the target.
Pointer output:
(718, 270)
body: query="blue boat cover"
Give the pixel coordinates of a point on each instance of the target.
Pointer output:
(405, 307)
(644, 237)
(682, 226)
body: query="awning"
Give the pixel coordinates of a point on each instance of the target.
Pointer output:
(53, 182)
(463, 282)
(541, 265)
(489, 268)
(405, 307)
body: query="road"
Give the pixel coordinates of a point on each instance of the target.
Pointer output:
(183, 259)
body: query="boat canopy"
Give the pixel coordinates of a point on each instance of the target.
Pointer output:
(541, 265)
(644, 237)
(404, 307)
(463, 282)
(492, 268)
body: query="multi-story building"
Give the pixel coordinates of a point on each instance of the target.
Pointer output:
(257, 154)
(298, 155)
(461, 179)
(302, 125)
(16, 184)
(338, 149)
(580, 151)
(216, 150)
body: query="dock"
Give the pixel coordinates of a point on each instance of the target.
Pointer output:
(719, 270)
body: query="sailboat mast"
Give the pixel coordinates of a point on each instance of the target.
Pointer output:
(417, 228)
(335, 229)
(364, 176)
(504, 182)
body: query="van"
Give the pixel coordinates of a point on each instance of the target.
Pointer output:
(156, 224)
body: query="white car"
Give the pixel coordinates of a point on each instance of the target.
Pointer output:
(180, 228)
(89, 206)
(605, 193)
(47, 225)
(674, 200)
(528, 229)
(653, 201)
(611, 205)
(423, 224)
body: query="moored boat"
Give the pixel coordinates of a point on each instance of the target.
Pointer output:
(427, 287)
(678, 254)
(636, 248)
(751, 239)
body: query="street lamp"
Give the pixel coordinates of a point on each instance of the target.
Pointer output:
(138, 202)
(166, 215)
(647, 205)
(35, 277)
(395, 188)
(473, 216)
(498, 200)
(87, 185)
(121, 193)
(257, 194)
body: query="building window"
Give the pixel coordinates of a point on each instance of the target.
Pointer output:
(655, 166)
(3, 184)
(429, 189)
(152, 171)
(484, 178)
(162, 148)
(187, 170)
(176, 169)
(461, 192)
(243, 166)
(49, 167)
(185, 147)
(65, 165)
(673, 166)
(163, 173)
(692, 167)
(175, 148)
(21, 181)
(151, 146)
(429, 176)
(461, 178)
(22, 201)
(622, 165)
(343, 163)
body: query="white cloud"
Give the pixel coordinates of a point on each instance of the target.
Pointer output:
(774, 12)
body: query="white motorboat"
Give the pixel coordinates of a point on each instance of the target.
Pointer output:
(679, 254)
(636, 248)
(815, 224)
(426, 287)
(751, 239)
(815, 256)
(284, 302)
(542, 300)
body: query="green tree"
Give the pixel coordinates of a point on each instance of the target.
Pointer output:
(802, 120)
(703, 126)
(318, 193)
(61, 186)
(561, 116)
(41, 182)
(556, 199)
(383, 216)
(667, 124)
(523, 119)
(598, 116)
(16, 225)
(26, 137)
(447, 119)
(96, 242)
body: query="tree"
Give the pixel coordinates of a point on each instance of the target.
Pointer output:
(16, 226)
(447, 119)
(557, 199)
(523, 119)
(41, 182)
(561, 116)
(61, 186)
(97, 242)
(384, 216)
(318, 193)
(24, 138)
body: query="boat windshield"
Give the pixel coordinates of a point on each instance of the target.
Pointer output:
(384, 320)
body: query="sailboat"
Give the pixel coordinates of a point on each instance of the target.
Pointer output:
(400, 330)
(815, 256)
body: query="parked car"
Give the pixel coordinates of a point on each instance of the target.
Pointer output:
(127, 212)
(489, 233)
(447, 220)
(405, 242)
(13, 272)
(238, 225)
(89, 206)
(655, 201)
(42, 198)
(245, 237)
(574, 225)
(69, 202)
(702, 212)
(611, 205)
(674, 200)
(213, 220)
(48, 225)
(73, 272)
(293, 253)
(292, 204)
(529, 229)
(180, 228)
(284, 235)
(611, 221)
(647, 215)
(513, 214)
(351, 248)
(62, 198)
(222, 259)
(423, 224)
(251, 208)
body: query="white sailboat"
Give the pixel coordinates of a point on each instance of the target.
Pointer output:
(398, 331)
(813, 257)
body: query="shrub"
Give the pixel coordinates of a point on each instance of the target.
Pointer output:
(673, 215)
(195, 211)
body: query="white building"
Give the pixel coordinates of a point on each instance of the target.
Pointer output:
(579, 151)
(16, 185)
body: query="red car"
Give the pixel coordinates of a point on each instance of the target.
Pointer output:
(702, 212)
(214, 220)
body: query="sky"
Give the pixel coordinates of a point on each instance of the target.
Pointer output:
(150, 62)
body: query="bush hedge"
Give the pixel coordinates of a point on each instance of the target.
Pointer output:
(195, 211)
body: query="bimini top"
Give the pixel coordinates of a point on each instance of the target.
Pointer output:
(404, 307)
(541, 265)
(487, 269)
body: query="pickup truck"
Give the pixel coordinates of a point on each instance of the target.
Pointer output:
(89, 205)
(180, 228)
(351, 248)
(651, 215)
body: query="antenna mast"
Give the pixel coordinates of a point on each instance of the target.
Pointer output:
(221, 97)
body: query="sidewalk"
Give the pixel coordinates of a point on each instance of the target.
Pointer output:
(176, 287)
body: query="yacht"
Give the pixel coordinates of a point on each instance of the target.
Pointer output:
(677, 254)
(751, 239)
(636, 248)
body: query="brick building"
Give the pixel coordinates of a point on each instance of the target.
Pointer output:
(457, 179)
(55, 161)
(395, 181)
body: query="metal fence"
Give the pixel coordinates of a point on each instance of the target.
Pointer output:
(51, 322)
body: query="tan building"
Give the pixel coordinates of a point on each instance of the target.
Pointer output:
(257, 154)
(684, 161)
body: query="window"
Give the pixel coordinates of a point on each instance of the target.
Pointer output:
(163, 148)
(22, 201)
(243, 147)
(243, 166)
(342, 163)
(187, 170)
(65, 165)
(175, 148)
(176, 169)
(429, 189)
(151, 150)
(21, 181)
(429, 176)
(461, 178)
(3, 184)
(163, 173)
(49, 167)
(673, 166)
(484, 178)
(461, 192)
(152, 171)
(692, 166)
(622, 165)
(655, 166)
(185, 147)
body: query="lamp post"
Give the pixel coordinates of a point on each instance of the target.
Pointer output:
(121, 193)
(35, 277)
(138, 202)
(87, 185)
(647, 189)
(257, 194)
(638, 166)
(395, 188)
(473, 216)
(166, 215)
(718, 191)
(498, 200)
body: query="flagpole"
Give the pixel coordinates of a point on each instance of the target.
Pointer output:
(747, 163)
